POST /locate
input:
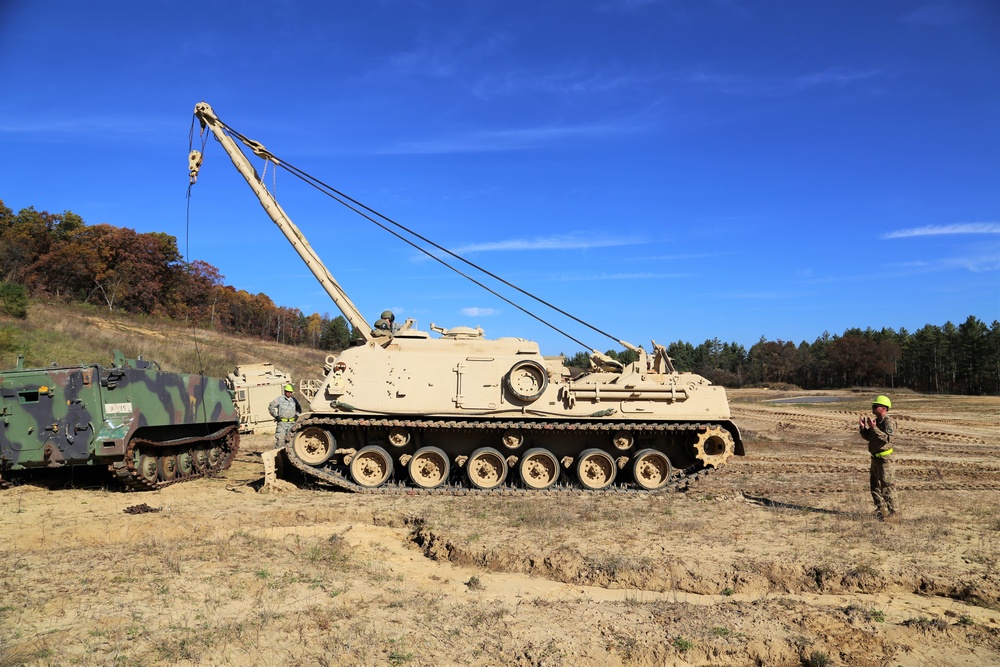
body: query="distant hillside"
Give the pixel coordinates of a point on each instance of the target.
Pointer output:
(69, 334)
(57, 257)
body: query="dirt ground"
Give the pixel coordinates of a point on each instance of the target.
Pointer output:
(776, 559)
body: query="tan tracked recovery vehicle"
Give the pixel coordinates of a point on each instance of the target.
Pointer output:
(403, 409)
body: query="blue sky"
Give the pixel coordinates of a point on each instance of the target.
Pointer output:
(663, 170)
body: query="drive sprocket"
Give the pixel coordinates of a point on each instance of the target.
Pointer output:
(714, 446)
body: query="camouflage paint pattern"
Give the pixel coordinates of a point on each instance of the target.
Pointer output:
(87, 414)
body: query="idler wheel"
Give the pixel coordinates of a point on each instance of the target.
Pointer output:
(371, 466)
(539, 469)
(429, 467)
(486, 468)
(651, 469)
(714, 446)
(313, 445)
(595, 469)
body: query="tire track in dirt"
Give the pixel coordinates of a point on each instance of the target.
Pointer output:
(847, 421)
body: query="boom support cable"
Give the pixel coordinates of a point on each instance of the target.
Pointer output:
(187, 247)
(363, 210)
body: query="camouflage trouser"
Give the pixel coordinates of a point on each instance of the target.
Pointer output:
(280, 431)
(882, 479)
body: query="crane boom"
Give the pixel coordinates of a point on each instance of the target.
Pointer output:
(207, 118)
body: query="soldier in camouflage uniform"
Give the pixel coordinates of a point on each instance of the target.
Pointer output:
(878, 432)
(385, 326)
(284, 409)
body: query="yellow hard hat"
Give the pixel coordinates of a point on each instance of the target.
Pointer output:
(289, 387)
(883, 400)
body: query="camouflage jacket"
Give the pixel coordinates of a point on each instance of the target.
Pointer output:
(284, 408)
(879, 437)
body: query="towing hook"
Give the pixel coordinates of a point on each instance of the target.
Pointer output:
(194, 164)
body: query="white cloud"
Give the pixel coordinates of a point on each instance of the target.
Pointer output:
(940, 230)
(547, 243)
(479, 312)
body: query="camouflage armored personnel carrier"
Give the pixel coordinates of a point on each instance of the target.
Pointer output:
(149, 427)
(401, 410)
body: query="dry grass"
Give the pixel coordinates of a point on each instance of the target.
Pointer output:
(66, 334)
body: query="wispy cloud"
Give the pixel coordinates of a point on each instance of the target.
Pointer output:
(92, 125)
(760, 296)
(975, 261)
(681, 256)
(741, 84)
(617, 276)
(71, 126)
(942, 230)
(574, 81)
(626, 6)
(547, 243)
(984, 263)
(511, 139)
(480, 312)
(943, 14)
(444, 54)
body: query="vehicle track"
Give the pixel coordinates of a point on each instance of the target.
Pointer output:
(680, 481)
(215, 451)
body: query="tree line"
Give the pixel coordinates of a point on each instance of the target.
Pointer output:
(58, 256)
(963, 359)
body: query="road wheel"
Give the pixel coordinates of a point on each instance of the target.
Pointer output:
(214, 456)
(651, 469)
(596, 469)
(539, 469)
(429, 467)
(167, 467)
(199, 458)
(148, 468)
(486, 468)
(185, 464)
(313, 445)
(371, 466)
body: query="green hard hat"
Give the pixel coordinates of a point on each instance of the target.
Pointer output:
(387, 315)
(883, 400)
(289, 387)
